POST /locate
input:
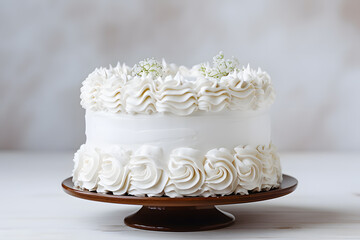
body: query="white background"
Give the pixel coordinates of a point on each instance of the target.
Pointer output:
(310, 48)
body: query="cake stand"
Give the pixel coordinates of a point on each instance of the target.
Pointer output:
(181, 214)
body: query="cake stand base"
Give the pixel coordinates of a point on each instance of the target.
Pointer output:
(181, 214)
(179, 219)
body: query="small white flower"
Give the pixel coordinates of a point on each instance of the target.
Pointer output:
(221, 67)
(148, 67)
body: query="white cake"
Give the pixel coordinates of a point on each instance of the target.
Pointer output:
(161, 130)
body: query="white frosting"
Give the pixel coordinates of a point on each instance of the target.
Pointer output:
(186, 172)
(90, 91)
(114, 171)
(176, 96)
(87, 167)
(249, 169)
(212, 96)
(221, 176)
(139, 96)
(272, 175)
(110, 95)
(147, 175)
(202, 131)
(175, 90)
(242, 92)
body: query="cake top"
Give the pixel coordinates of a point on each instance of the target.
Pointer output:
(151, 86)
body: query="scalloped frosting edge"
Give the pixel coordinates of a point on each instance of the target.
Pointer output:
(178, 91)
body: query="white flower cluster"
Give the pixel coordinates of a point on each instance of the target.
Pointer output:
(148, 67)
(221, 67)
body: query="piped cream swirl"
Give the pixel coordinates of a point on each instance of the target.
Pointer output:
(221, 176)
(110, 95)
(242, 93)
(91, 90)
(87, 167)
(114, 173)
(212, 96)
(147, 175)
(186, 173)
(272, 176)
(176, 96)
(249, 169)
(139, 96)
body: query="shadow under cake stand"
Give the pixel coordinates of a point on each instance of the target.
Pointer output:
(181, 214)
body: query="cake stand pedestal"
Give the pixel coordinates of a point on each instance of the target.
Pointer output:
(181, 214)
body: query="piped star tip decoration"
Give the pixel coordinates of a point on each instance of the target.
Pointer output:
(221, 67)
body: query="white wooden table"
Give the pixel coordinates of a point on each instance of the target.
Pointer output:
(326, 204)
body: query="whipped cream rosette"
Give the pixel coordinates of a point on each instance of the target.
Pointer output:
(271, 166)
(220, 173)
(147, 175)
(186, 173)
(249, 169)
(87, 165)
(114, 173)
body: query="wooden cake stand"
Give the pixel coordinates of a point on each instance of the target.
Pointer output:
(181, 214)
